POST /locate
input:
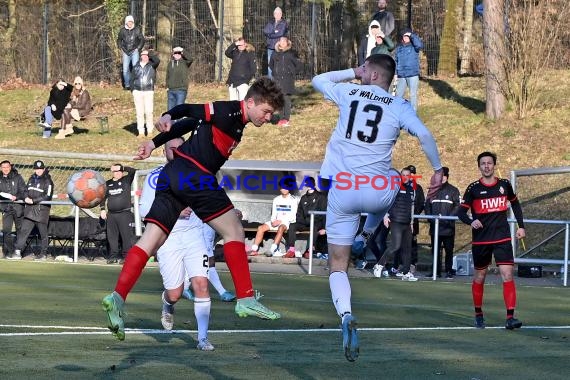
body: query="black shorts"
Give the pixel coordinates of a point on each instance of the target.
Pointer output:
(483, 254)
(181, 184)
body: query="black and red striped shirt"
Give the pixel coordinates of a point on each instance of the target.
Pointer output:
(489, 204)
(217, 130)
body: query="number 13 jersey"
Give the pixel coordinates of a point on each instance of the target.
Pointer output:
(368, 127)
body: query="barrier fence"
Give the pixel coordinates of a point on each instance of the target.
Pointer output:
(437, 218)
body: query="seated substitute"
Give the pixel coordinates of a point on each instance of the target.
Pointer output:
(312, 200)
(283, 213)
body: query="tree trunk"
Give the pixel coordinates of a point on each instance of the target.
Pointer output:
(7, 60)
(163, 38)
(467, 34)
(493, 46)
(448, 47)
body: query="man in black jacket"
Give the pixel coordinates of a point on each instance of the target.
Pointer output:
(312, 200)
(39, 189)
(12, 188)
(117, 211)
(130, 41)
(419, 206)
(399, 220)
(445, 203)
(243, 68)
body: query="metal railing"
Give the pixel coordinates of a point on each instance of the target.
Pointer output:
(437, 218)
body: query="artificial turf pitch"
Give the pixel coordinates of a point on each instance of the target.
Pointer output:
(52, 326)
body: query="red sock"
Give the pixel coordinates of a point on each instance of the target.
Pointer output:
(132, 269)
(477, 292)
(236, 259)
(510, 294)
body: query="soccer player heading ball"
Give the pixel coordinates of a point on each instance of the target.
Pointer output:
(218, 128)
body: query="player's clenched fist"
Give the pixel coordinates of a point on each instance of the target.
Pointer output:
(145, 149)
(164, 123)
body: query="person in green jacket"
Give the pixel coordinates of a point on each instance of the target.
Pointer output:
(384, 44)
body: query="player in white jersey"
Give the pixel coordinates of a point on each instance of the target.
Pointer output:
(358, 160)
(184, 253)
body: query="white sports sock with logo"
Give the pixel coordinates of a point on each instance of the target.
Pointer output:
(340, 292)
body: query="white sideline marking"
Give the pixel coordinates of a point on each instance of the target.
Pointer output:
(104, 331)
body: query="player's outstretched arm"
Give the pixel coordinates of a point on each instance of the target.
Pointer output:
(325, 81)
(144, 151)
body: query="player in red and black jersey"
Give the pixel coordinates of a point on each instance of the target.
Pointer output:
(488, 200)
(189, 181)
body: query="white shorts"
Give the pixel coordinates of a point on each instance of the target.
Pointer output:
(271, 228)
(209, 235)
(183, 253)
(345, 206)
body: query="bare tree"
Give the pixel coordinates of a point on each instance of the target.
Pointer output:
(467, 36)
(494, 47)
(533, 44)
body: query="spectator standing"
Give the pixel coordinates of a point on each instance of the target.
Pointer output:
(38, 189)
(407, 58)
(116, 210)
(12, 188)
(142, 83)
(283, 213)
(130, 41)
(242, 69)
(488, 200)
(444, 203)
(273, 31)
(419, 206)
(384, 17)
(59, 96)
(284, 64)
(177, 77)
(399, 220)
(78, 107)
(312, 200)
(368, 42)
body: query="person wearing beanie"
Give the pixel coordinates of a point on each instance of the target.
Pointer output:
(79, 107)
(39, 188)
(407, 59)
(59, 96)
(142, 84)
(177, 77)
(130, 41)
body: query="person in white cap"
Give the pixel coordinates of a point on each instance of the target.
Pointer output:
(130, 41)
(177, 77)
(38, 189)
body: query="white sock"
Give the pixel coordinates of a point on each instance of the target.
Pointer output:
(202, 313)
(254, 247)
(186, 282)
(214, 278)
(340, 292)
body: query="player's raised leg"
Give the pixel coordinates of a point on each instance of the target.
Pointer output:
(137, 257)
(231, 230)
